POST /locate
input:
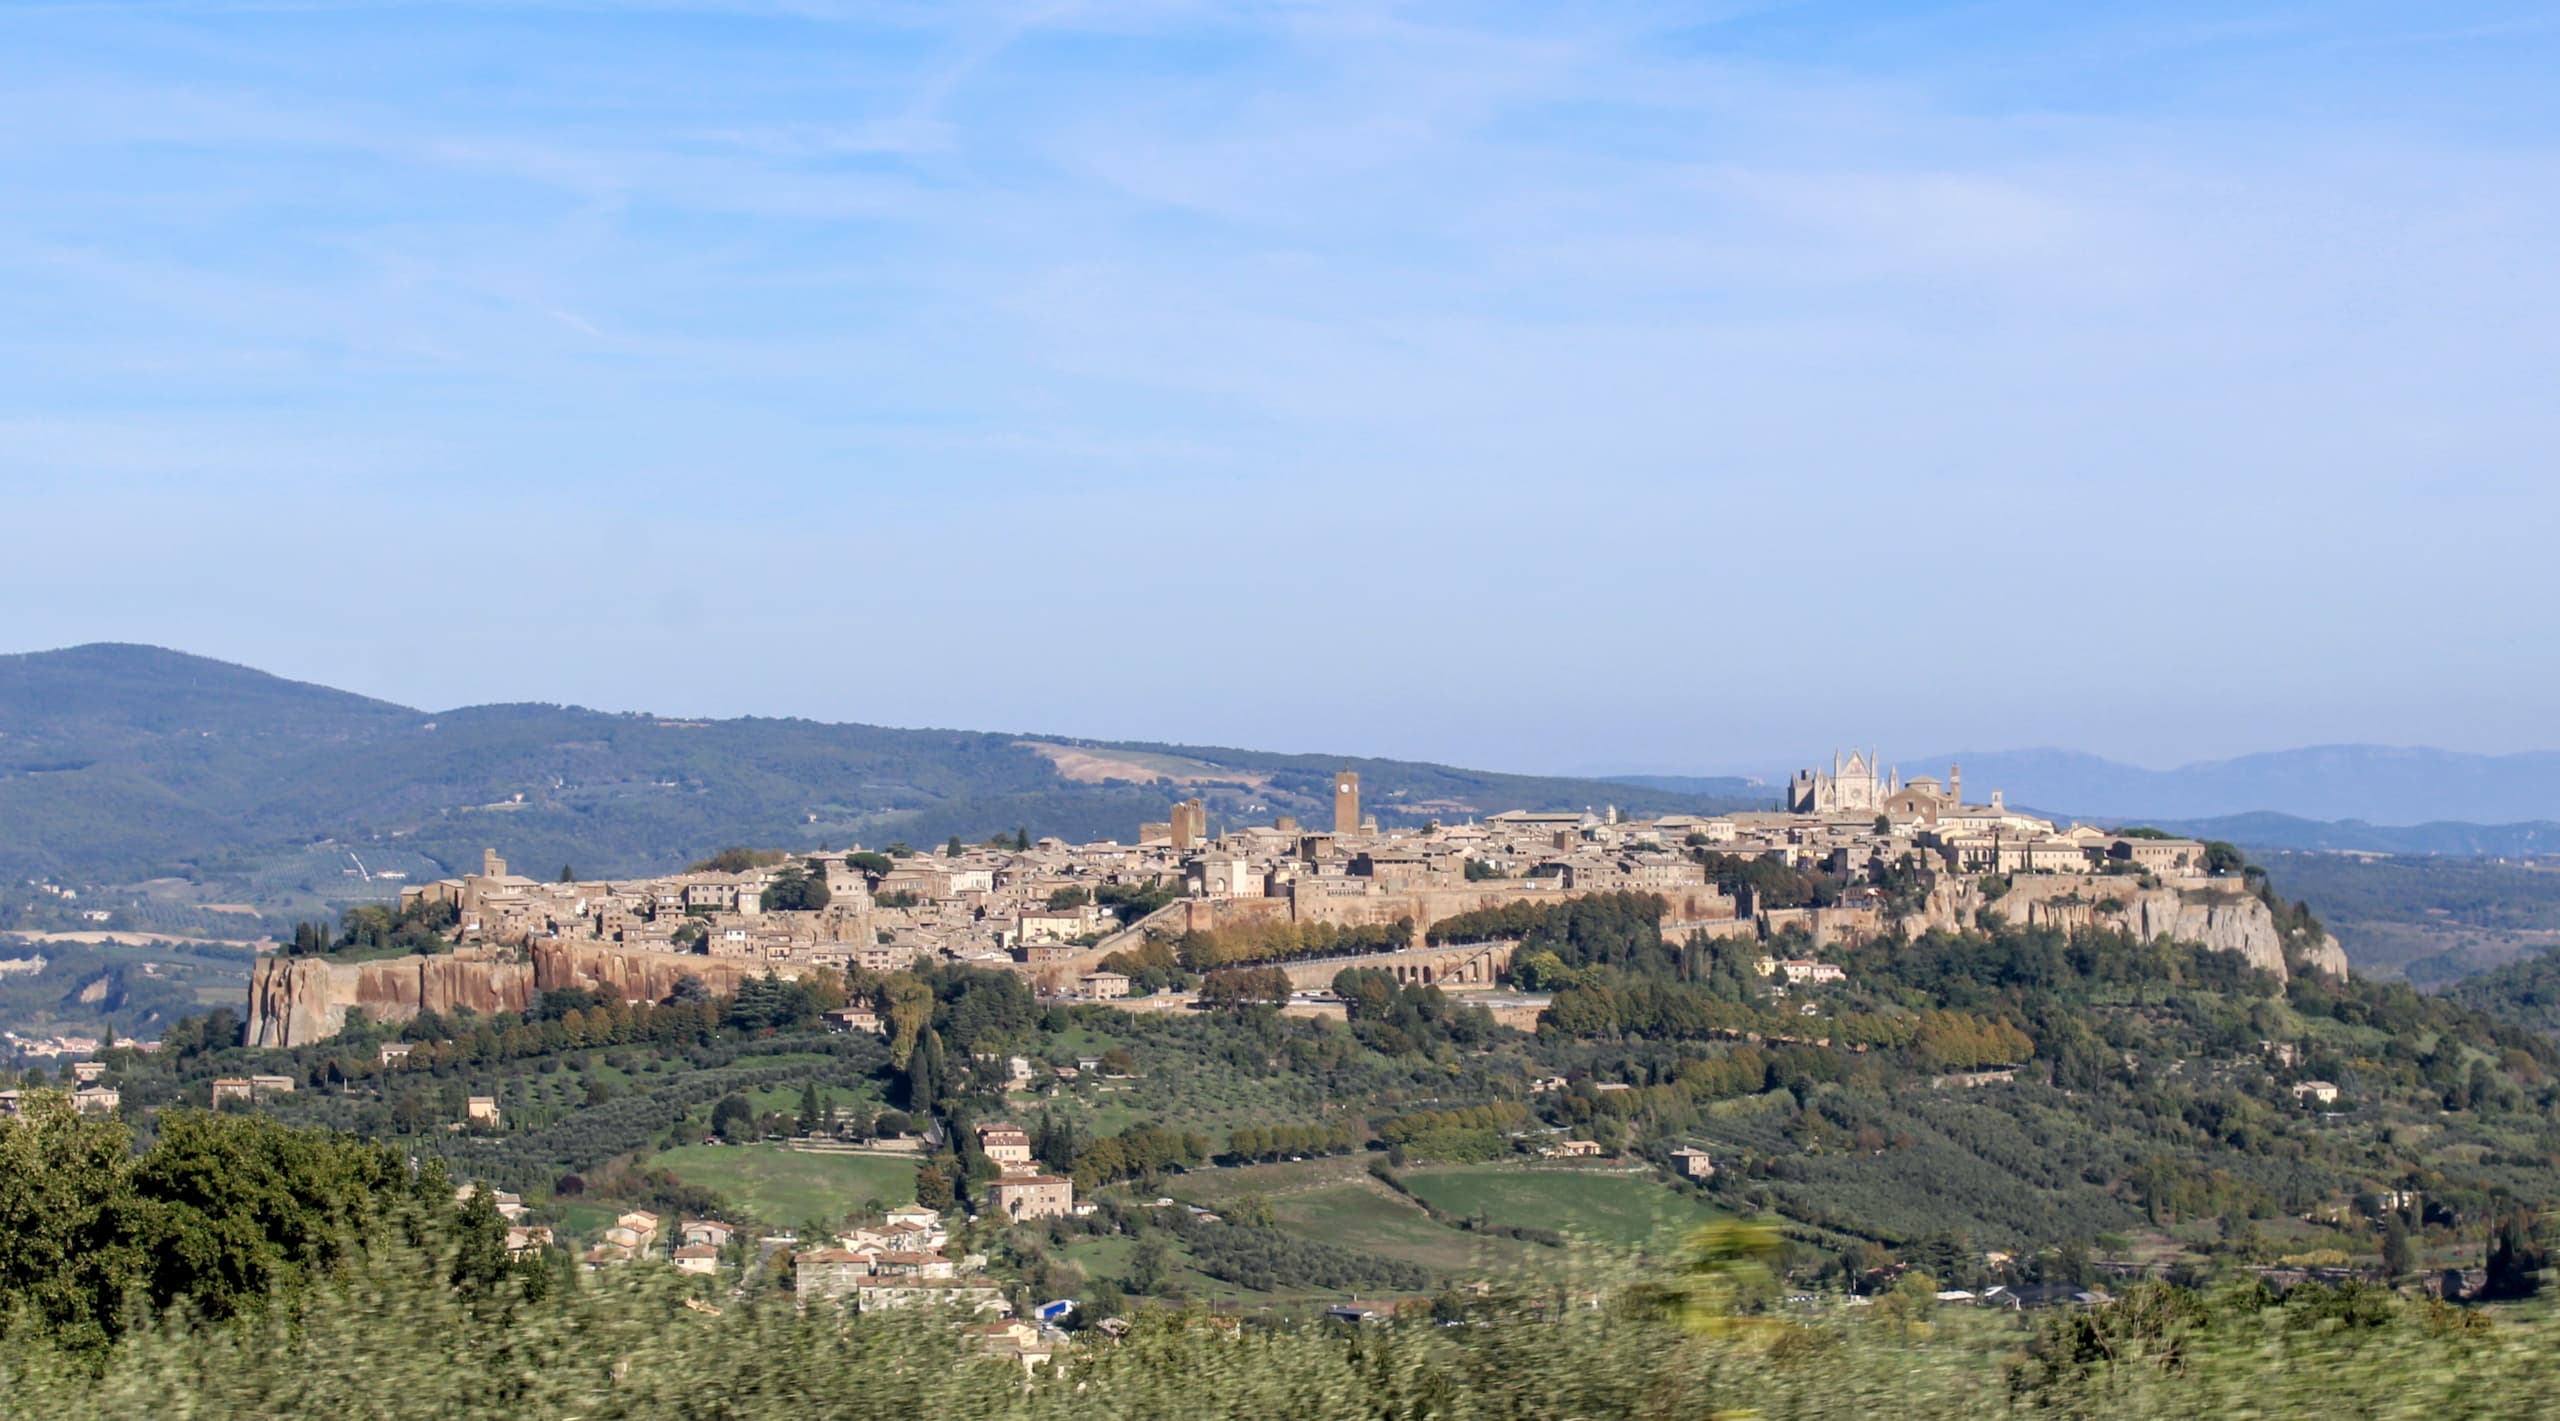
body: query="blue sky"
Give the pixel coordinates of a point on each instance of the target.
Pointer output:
(1544, 387)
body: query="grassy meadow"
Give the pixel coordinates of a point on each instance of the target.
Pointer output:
(1633, 1211)
(785, 1187)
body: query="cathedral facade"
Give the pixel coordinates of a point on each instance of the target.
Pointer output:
(1859, 783)
(1856, 785)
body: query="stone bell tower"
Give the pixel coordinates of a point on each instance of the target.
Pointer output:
(1346, 802)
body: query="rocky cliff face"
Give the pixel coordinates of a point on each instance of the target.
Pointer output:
(639, 976)
(2329, 958)
(297, 1000)
(2225, 919)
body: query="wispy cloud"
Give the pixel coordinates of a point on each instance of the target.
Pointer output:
(1735, 306)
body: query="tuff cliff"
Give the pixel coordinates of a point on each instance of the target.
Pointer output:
(297, 1000)
(2221, 916)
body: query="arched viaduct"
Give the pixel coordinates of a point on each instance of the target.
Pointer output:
(1469, 964)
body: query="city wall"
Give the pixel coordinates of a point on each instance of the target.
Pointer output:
(1474, 964)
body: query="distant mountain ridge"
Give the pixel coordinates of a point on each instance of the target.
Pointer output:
(2370, 784)
(2360, 798)
(120, 763)
(1722, 786)
(2284, 831)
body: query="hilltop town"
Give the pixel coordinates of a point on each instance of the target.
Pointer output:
(1270, 1058)
(1049, 907)
(1856, 850)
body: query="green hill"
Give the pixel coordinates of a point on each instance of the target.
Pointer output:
(2003, 1106)
(2523, 993)
(125, 763)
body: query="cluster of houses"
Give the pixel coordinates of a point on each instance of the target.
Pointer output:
(528, 1240)
(1801, 970)
(90, 1095)
(895, 1263)
(904, 1260)
(634, 1234)
(60, 1044)
(248, 1090)
(1022, 1191)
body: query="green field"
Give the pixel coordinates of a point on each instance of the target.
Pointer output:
(585, 1220)
(1334, 1200)
(1211, 1187)
(1319, 1195)
(1371, 1218)
(786, 1098)
(1109, 1258)
(1618, 1210)
(785, 1187)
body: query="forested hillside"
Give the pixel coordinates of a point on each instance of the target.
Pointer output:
(2156, 1127)
(2525, 993)
(2000, 1090)
(2431, 919)
(124, 763)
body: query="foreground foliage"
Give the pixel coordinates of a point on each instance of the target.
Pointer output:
(235, 1267)
(392, 1340)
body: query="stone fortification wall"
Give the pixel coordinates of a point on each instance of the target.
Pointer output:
(1426, 906)
(1475, 964)
(1827, 926)
(297, 1000)
(1691, 907)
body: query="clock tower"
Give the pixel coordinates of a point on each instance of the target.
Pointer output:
(1346, 802)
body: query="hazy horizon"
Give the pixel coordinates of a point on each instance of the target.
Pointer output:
(1935, 763)
(1688, 388)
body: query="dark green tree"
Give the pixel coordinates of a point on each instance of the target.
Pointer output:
(2517, 1259)
(933, 1189)
(733, 1119)
(241, 1207)
(480, 1246)
(1148, 1263)
(70, 1251)
(794, 890)
(2397, 1257)
(1054, 1142)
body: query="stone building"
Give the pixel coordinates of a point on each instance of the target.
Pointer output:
(825, 1274)
(2159, 855)
(1035, 1196)
(1223, 875)
(1854, 786)
(698, 1258)
(1103, 986)
(1008, 1145)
